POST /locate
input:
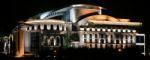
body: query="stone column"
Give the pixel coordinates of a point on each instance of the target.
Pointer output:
(114, 39)
(124, 39)
(60, 27)
(88, 38)
(20, 44)
(30, 28)
(133, 38)
(104, 38)
(81, 38)
(48, 27)
(93, 40)
(129, 38)
(65, 28)
(42, 27)
(98, 38)
(109, 38)
(35, 27)
(55, 27)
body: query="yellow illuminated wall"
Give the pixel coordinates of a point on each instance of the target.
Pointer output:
(20, 44)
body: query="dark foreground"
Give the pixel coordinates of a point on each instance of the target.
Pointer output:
(81, 54)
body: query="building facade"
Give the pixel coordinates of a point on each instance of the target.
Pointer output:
(76, 26)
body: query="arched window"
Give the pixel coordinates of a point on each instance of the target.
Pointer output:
(58, 41)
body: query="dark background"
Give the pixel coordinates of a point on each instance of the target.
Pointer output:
(16, 10)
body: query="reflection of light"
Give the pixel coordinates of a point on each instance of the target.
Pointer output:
(143, 53)
(41, 27)
(54, 27)
(129, 41)
(112, 19)
(44, 15)
(114, 30)
(48, 27)
(133, 41)
(30, 27)
(93, 29)
(124, 20)
(98, 29)
(55, 51)
(119, 30)
(64, 28)
(35, 27)
(60, 27)
(128, 30)
(103, 30)
(123, 30)
(52, 21)
(119, 50)
(54, 56)
(98, 17)
(116, 23)
(86, 11)
(124, 41)
(82, 29)
(20, 46)
(88, 29)
(123, 46)
(134, 31)
(108, 30)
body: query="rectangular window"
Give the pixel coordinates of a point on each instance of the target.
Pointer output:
(139, 39)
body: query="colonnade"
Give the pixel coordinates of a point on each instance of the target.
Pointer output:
(100, 37)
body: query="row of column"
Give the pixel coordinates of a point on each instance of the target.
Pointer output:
(107, 30)
(48, 27)
(104, 38)
(92, 45)
(120, 46)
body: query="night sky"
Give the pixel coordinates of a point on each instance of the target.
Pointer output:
(23, 9)
(13, 11)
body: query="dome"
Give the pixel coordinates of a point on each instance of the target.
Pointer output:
(112, 19)
(102, 18)
(97, 17)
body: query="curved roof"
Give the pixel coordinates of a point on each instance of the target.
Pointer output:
(44, 15)
(106, 18)
(44, 21)
(87, 6)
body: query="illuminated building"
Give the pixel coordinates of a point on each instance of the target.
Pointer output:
(76, 26)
